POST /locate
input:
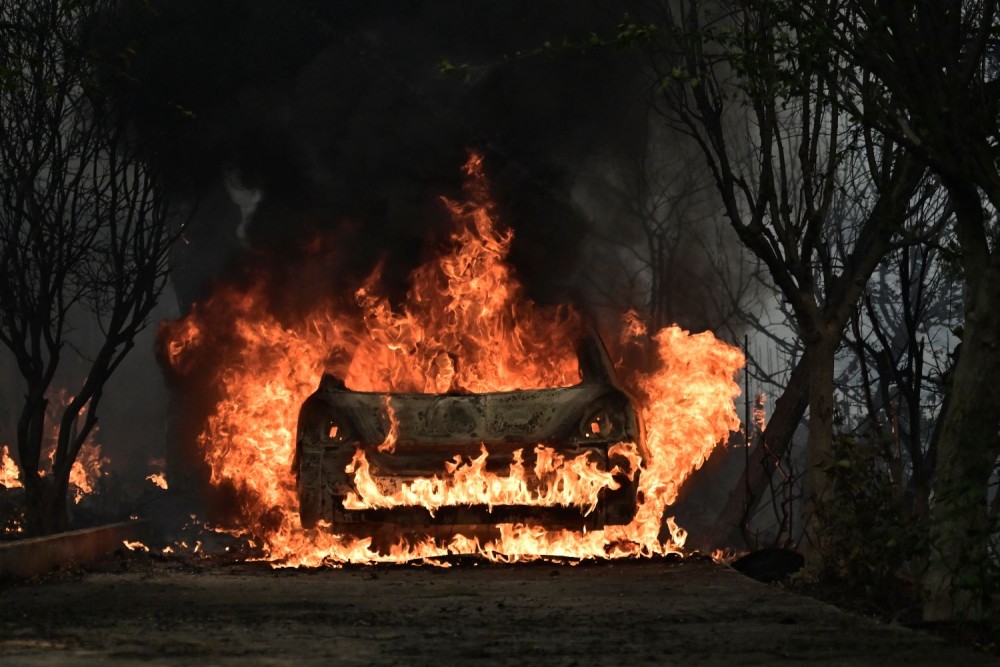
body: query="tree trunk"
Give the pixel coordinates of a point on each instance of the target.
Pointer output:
(811, 383)
(770, 447)
(30, 430)
(955, 583)
(46, 509)
(820, 349)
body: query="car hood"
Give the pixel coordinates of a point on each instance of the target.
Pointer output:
(528, 416)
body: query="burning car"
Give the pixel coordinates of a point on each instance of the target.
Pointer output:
(561, 457)
(464, 419)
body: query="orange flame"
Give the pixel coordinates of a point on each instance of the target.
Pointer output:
(464, 306)
(135, 546)
(89, 465)
(556, 481)
(465, 326)
(158, 479)
(10, 476)
(86, 470)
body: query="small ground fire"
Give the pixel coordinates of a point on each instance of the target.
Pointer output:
(86, 471)
(466, 327)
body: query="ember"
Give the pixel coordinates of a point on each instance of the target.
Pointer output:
(158, 479)
(465, 327)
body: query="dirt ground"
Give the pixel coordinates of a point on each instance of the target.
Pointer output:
(624, 613)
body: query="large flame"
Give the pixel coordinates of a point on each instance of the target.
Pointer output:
(465, 305)
(465, 326)
(553, 481)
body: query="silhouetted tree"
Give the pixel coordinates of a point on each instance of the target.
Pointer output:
(84, 231)
(736, 80)
(925, 73)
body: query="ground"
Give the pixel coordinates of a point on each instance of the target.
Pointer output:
(657, 612)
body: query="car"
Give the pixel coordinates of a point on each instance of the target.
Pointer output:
(565, 457)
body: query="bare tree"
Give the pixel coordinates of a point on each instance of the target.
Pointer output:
(777, 180)
(84, 231)
(901, 344)
(925, 74)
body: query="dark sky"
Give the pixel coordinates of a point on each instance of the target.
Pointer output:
(337, 113)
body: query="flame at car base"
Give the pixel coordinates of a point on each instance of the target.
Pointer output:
(465, 327)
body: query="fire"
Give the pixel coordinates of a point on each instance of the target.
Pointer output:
(464, 306)
(158, 479)
(88, 468)
(465, 326)
(10, 477)
(556, 481)
(84, 474)
(86, 471)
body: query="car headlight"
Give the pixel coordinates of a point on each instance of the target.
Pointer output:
(598, 424)
(336, 431)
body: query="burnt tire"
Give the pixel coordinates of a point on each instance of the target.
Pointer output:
(309, 510)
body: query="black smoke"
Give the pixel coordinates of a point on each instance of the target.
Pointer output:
(340, 117)
(338, 126)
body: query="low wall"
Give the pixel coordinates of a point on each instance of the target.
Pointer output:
(39, 555)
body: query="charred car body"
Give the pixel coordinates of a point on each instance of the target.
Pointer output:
(431, 430)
